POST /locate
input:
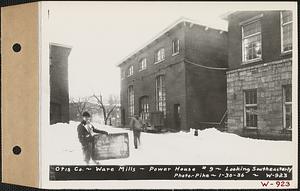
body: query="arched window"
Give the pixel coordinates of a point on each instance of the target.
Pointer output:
(143, 64)
(160, 55)
(160, 94)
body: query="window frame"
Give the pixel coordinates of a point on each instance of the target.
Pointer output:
(248, 22)
(173, 47)
(130, 71)
(141, 68)
(284, 105)
(250, 106)
(161, 104)
(130, 101)
(281, 33)
(145, 111)
(156, 61)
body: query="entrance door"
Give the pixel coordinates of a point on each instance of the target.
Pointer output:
(177, 116)
(144, 108)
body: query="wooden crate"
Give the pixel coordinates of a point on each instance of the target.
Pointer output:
(112, 146)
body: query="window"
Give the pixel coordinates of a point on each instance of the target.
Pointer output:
(130, 101)
(287, 107)
(286, 31)
(175, 46)
(130, 71)
(144, 108)
(251, 39)
(250, 110)
(161, 94)
(160, 55)
(143, 64)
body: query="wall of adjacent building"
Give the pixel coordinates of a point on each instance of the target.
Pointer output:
(59, 84)
(271, 38)
(269, 80)
(268, 76)
(206, 88)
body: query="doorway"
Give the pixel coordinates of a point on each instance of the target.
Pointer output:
(144, 108)
(177, 116)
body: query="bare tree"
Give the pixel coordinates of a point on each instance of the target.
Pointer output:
(107, 110)
(80, 104)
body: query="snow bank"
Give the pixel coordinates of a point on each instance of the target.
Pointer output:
(210, 147)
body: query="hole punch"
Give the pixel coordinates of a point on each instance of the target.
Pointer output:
(17, 150)
(16, 47)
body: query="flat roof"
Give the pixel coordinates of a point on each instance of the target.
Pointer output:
(180, 20)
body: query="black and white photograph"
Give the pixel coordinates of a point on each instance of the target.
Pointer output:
(169, 95)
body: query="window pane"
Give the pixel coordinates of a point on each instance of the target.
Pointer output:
(251, 110)
(288, 93)
(287, 16)
(288, 116)
(287, 36)
(175, 46)
(143, 64)
(160, 94)
(162, 54)
(251, 28)
(251, 116)
(254, 97)
(251, 96)
(252, 47)
(131, 101)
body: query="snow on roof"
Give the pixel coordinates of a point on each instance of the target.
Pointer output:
(226, 15)
(60, 45)
(180, 20)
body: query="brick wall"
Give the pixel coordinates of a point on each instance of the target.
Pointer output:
(206, 96)
(270, 33)
(144, 81)
(206, 88)
(201, 93)
(269, 80)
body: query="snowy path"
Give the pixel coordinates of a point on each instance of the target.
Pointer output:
(210, 147)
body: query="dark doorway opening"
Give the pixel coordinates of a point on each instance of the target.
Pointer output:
(177, 116)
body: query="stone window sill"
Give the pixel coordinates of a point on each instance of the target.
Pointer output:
(159, 61)
(286, 52)
(251, 128)
(251, 61)
(176, 53)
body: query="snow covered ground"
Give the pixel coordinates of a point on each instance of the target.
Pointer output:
(210, 147)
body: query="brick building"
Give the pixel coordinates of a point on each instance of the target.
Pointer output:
(180, 73)
(259, 79)
(59, 83)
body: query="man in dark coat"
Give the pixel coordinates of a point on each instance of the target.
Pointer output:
(136, 124)
(86, 131)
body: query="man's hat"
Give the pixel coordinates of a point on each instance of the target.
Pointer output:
(86, 114)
